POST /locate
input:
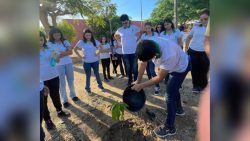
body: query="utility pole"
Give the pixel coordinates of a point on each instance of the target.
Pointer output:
(141, 13)
(175, 13)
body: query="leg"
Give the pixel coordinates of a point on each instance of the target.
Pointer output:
(62, 73)
(195, 68)
(46, 114)
(95, 67)
(54, 93)
(119, 59)
(204, 70)
(128, 67)
(87, 69)
(70, 79)
(103, 69)
(134, 65)
(108, 68)
(125, 65)
(42, 134)
(152, 72)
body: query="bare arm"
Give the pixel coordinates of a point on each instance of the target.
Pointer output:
(179, 40)
(76, 49)
(189, 37)
(142, 68)
(66, 53)
(161, 75)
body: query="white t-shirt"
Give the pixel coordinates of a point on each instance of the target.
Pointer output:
(198, 34)
(172, 36)
(106, 54)
(118, 49)
(147, 37)
(59, 47)
(47, 72)
(128, 38)
(173, 58)
(89, 50)
(113, 48)
(184, 37)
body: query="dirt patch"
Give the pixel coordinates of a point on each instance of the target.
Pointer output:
(91, 120)
(131, 129)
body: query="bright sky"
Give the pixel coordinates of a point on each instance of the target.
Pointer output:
(133, 8)
(130, 7)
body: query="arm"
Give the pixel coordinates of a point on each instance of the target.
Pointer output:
(189, 37)
(66, 53)
(161, 75)
(141, 71)
(76, 49)
(179, 40)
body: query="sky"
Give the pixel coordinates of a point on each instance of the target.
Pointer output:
(130, 7)
(133, 8)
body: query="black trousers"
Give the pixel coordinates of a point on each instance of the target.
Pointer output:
(120, 62)
(42, 134)
(53, 85)
(114, 63)
(200, 67)
(106, 67)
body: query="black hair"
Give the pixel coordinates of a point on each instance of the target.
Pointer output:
(204, 12)
(146, 50)
(181, 28)
(162, 27)
(44, 38)
(167, 20)
(124, 17)
(149, 23)
(92, 37)
(105, 41)
(54, 30)
(112, 39)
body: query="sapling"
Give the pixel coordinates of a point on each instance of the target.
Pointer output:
(117, 110)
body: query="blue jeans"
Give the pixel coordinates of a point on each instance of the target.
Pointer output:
(87, 68)
(68, 72)
(131, 65)
(151, 71)
(174, 99)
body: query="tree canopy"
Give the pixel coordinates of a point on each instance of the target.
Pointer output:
(187, 10)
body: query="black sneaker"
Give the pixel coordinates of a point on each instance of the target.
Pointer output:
(195, 90)
(163, 132)
(49, 124)
(66, 104)
(75, 98)
(157, 91)
(88, 92)
(110, 78)
(106, 80)
(63, 114)
(180, 112)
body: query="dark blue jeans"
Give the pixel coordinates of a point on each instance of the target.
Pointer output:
(151, 71)
(87, 68)
(131, 65)
(174, 99)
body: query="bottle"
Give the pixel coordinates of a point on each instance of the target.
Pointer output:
(53, 58)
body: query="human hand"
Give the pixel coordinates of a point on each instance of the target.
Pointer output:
(137, 87)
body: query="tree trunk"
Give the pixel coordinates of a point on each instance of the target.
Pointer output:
(44, 20)
(53, 18)
(175, 13)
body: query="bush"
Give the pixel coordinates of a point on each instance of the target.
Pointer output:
(68, 30)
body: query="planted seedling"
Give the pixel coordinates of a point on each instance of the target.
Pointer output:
(117, 110)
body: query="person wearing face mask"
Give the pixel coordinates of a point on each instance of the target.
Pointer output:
(196, 50)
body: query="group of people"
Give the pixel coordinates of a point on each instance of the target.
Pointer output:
(161, 48)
